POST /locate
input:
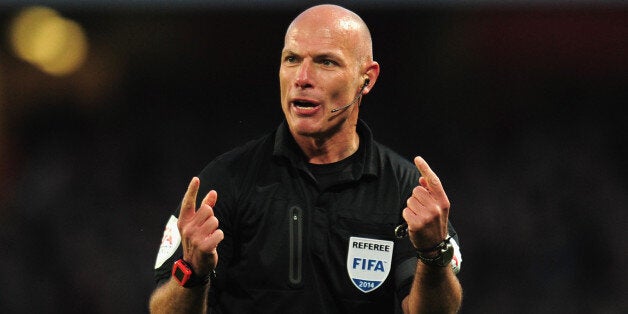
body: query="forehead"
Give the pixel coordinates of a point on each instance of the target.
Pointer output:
(339, 35)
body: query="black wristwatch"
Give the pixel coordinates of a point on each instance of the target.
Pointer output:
(445, 254)
(185, 276)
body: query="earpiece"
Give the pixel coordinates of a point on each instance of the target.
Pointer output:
(367, 81)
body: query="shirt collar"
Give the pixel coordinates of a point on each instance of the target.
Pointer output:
(286, 146)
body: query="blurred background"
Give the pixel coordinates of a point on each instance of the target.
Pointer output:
(108, 108)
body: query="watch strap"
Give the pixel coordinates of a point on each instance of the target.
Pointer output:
(445, 254)
(184, 274)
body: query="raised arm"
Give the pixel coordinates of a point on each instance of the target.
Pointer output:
(199, 240)
(435, 288)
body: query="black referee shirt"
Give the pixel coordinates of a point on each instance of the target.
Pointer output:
(295, 244)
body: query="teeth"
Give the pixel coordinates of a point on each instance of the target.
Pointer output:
(303, 104)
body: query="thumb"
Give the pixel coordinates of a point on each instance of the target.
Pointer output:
(211, 198)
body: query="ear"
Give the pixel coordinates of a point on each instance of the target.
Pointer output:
(372, 72)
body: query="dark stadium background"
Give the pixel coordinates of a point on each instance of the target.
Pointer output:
(518, 106)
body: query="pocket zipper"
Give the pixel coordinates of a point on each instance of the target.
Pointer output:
(296, 243)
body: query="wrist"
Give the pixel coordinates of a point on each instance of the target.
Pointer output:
(431, 254)
(434, 248)
(185, 276)
(439, 255)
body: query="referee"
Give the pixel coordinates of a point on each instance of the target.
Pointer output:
(315, 217)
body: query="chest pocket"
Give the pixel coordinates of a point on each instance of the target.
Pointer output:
(264, 251)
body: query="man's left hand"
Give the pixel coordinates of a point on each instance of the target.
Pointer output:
(427, 209)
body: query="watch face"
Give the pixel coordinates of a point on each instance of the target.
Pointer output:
(179, 274)
(448, 254)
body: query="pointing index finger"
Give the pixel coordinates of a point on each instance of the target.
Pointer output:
(433, 182)
(188, 205)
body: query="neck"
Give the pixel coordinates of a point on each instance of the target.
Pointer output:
(329, 149)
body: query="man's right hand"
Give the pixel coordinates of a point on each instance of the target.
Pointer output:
(199, 230)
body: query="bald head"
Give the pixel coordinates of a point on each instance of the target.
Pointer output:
(336, 22)
(326, 63)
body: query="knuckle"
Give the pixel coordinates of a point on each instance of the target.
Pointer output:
(435, 180)
(187, 233)
(212, 223)
(181, 226)
(416, 191)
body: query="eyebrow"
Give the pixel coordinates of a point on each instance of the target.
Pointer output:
(327, 55)
(318, 56)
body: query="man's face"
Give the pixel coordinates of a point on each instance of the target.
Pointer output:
(319, 72)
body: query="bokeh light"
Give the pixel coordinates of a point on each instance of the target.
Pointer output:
(42, 37)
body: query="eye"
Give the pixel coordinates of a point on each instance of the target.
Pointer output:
(290, 59)
(328, 62)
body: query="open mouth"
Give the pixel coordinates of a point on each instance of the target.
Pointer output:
(304, 104)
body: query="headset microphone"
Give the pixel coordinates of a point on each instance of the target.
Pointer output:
(366, 83)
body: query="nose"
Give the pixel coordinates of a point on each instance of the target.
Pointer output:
(304, 76)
